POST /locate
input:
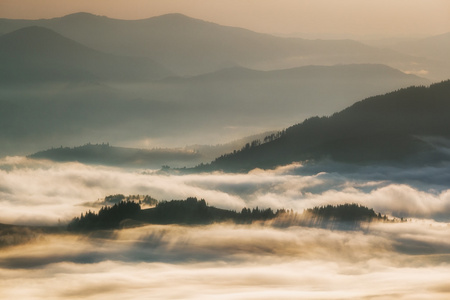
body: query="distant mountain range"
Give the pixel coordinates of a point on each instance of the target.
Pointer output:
(407, 126)
(84, 78)
(189, 46)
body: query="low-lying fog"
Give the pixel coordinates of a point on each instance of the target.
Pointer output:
(406, 260)
(40, 192)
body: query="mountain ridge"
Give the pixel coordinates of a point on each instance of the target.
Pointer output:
(189, 46)
(237, 71)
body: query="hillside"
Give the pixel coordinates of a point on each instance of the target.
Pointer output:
(389, 128)
(189, 46)
(37, 54)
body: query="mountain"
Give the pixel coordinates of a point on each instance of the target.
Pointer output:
(407, 126)
(189, 46)
(37, 54)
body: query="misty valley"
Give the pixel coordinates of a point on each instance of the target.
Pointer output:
(175, 158)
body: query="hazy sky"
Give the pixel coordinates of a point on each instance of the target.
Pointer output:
(356, 18)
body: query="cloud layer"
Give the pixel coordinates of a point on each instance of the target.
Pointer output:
(42, 192)
(400, 260)
(223, 261)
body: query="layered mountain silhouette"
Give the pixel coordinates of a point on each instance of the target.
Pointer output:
(85, 78)
(410, 125)
(189, 46)
(37, 54)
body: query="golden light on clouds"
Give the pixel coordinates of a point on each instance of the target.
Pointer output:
(322, 17)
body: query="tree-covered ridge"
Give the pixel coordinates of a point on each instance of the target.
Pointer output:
(385, 128)
(193, 211)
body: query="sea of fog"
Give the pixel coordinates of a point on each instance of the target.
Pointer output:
(408, 260)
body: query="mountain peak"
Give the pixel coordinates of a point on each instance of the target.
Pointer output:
(82, 15)
(176, 18)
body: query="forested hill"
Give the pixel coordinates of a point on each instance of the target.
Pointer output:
(193, 211)
(189, 211)
(408, 125)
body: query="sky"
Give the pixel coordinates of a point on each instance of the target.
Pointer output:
(321, 18)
